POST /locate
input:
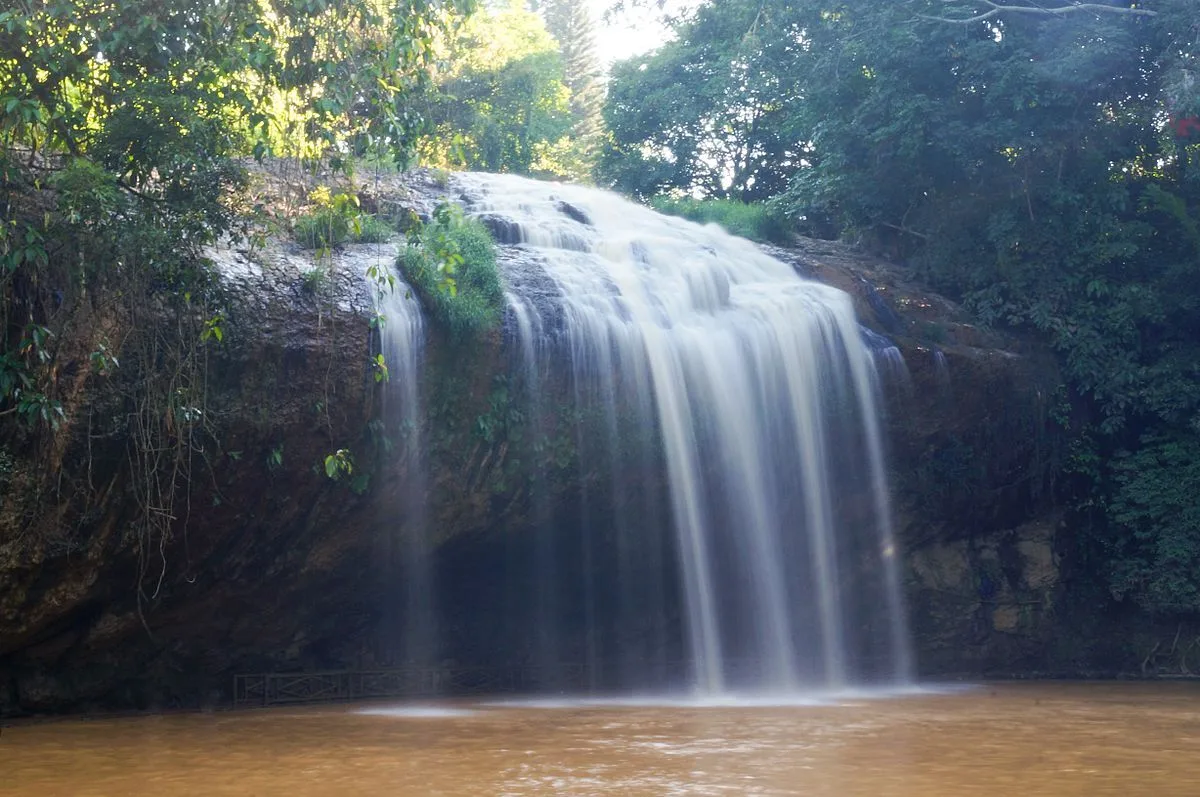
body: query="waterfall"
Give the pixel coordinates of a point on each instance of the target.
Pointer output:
(754, 389)
(410, 614)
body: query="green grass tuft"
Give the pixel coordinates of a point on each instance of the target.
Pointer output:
(755, 221)
(451, 263)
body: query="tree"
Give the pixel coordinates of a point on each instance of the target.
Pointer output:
(501, 105)
(709, 112)
(346, 65)
(570, 22)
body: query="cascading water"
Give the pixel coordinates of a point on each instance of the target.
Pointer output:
(410, 613)
(887, 356)
(754, 387)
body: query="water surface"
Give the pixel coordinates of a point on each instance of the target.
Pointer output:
(1031, 740)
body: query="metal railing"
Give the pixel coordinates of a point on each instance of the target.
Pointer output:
(278, 688)
(281, 688)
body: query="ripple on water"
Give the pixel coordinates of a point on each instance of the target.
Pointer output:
(416, 711)
(734, 699)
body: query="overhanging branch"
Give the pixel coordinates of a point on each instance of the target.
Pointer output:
(997, 9)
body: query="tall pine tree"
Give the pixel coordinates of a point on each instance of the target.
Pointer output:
(572, 24)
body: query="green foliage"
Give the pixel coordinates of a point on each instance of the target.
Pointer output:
(103, 362)
(570, 22)
(20, 386)
(502, 104)
(451, 263)
(338, 464)
(327, 228)
(213, 329)
(150, 87)
(335, 220)
(379, 368)
(504, 418)
(321, 229)
(756, 221)
(709, 113)
(371, 229)
(1155, 542)
(134, 116)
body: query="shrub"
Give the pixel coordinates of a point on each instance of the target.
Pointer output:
(315, 280)
(451, 263)
(336, 220)
(372, 230)
(1154, 544)
(756, 221)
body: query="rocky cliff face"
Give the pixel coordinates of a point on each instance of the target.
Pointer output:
(273, 565)
(251, 535)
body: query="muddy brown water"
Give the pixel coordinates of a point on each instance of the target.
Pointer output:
(1028, 740)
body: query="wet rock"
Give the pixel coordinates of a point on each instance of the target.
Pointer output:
(996, 592)
(572, 212)
(503, 230)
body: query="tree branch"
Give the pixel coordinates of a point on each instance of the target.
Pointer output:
(997, 10)
(901, 228)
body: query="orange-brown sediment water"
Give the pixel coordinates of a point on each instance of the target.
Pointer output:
(1027, 740)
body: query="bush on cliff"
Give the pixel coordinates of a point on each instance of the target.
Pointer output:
(753, 220)
(336, 219)
(451, 263)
